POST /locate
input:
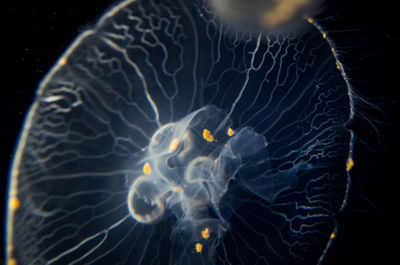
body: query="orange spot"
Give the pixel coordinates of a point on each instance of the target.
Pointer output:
(332, 236)
(174, 144)
(15, 203)
(12, 262)
(205, 233)
(349, 164)
(199, 247)
(176, 189)
(310, 20)
(208, 136)
(147, 168)
(231, 132)
(63, 61)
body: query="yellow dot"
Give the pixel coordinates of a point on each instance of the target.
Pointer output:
(208, 136)
(324, 35)
(63, 61)
(147, 168)
(15, 203)
(310, 20)
(174, 144)
(12, 262)
(332, 236)
(199, 247)
(231, 132)
(333, 49)
(205, 233)
(337, 65)
(349, 164)
(177, 189)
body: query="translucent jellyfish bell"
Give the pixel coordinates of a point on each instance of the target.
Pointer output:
(163, 136)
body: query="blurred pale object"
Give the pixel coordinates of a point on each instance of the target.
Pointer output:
(264, 14)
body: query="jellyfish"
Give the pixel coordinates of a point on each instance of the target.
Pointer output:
(164, 135)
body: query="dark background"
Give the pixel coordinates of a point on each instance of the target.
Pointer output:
(34, 34)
